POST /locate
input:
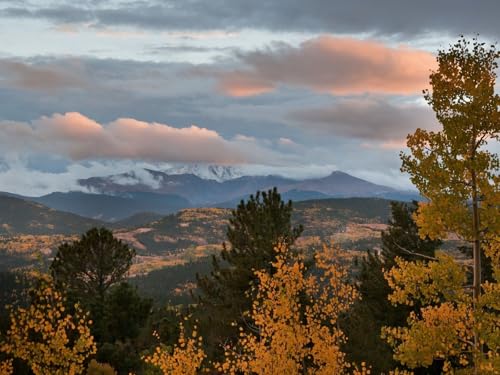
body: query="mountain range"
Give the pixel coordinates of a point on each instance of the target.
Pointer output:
(117, 197)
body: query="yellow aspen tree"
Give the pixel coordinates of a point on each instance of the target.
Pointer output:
(185, 358)
(449, 320)
(48, 338)
(294, 320)
(458, 174)
(6, 367)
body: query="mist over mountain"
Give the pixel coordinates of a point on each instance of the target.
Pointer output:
(199, 190)
(148, 192)
(215, 172)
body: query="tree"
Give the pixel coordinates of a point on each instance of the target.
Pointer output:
(458, 175)
(287, 336)
(452, 168)
(255, 228)
(126, 312)
(373, 310)
(89, 267)
(45, 335)
(185, 358)
(445, 327)
(402, 239)
(125, 315)
(6, 367)
(96, 368)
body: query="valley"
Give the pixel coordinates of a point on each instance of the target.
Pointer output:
(173, 248)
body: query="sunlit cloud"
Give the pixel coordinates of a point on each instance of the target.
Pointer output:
(333, 65)
(77, 137)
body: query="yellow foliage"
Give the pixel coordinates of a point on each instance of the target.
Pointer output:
(6, 367)
(446, 324)
(185, 359)
(456, 171)
(96, 368)
(427, 283)
(293, 327)
(47, 337)
(294, 316)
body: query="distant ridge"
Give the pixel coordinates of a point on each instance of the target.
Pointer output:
(113, 207)
(18, 216)
(118, 197)
(200, 191)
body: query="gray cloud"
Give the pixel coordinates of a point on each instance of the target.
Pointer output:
(152, 92)
(383, 17)
(41, 77)
(366, 119)
(184, 48)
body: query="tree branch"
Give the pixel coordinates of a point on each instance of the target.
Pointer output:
(412, 252)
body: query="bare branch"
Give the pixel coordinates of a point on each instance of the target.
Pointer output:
(412, 252)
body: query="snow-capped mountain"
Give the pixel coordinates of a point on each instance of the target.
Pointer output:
(215, 172)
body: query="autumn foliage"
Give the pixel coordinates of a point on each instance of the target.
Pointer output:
(458, 323)
(46, 336)
(294, 324)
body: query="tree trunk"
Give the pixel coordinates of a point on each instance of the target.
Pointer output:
(476, 254)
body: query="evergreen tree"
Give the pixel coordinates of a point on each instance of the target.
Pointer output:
(87, 268)
(373, 311)
(126, 312)
(255, 228)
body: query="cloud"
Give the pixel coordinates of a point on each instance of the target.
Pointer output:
(20, 178)
(42, 77)
(77, 137)
(383, 17)
(241, 84)
(333, 65)
(286, 142)
(367, 119)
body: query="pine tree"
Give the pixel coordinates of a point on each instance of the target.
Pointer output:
(88, 268)
(373, 310)
(255, 228)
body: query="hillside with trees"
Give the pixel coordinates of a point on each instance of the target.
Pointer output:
(279, 295)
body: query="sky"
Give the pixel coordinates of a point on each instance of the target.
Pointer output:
(291, 87)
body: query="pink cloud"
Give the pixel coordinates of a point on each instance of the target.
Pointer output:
(331, 65)
(78, 137)
(240, 85)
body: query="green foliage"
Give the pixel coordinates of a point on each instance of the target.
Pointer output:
(124, 356)
(402, 238)
(125, 317)
(13, 288)
(255, 229)
(364, 323)
(170, 278)
(90, 266)
(126, 312)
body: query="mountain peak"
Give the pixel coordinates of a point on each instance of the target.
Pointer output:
(215, 172)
